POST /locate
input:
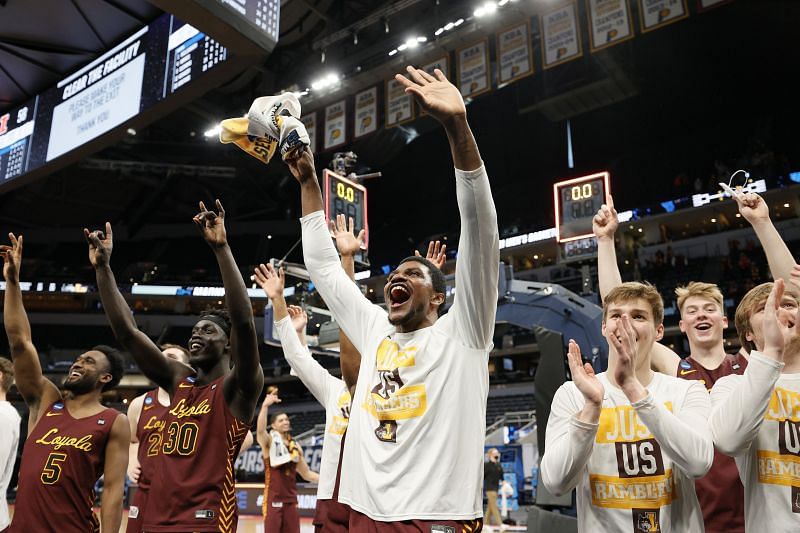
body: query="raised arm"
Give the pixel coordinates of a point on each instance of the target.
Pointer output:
(604, 226)
(755, 210)
(348, 244)
(165, 372)
(262, 431)
(244, 383)
(37, 390)
(291, 324)
(116, 459)
(353, 311)
(478, 267)
(134, 412)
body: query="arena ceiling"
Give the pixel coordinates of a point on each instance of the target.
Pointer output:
(691, 92)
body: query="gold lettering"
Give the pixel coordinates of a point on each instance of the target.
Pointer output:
(154, 423)
(628, 493)
(784, 405)
(622, 424)
(181, 410)
(57, 442)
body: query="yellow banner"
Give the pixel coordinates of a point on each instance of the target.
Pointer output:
(647, 492)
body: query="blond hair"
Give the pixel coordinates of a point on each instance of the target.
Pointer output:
(698, 289)
(634, 290)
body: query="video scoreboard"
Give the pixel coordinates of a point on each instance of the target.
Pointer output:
(576, 201)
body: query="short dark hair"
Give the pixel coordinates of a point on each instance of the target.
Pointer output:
(437, 277)
(116, 364)
(7, 368)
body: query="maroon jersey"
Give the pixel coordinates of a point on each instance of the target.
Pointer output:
(720, 492)
(151, 422)
(62, 459)
(192, 475)
(280, 482)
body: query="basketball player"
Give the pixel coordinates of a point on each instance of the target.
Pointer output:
(72, 438)
(414, 447)
(192, 487)
(9, 437)
(631, 440)
(756, 416)
(703, 321)
(283, 457)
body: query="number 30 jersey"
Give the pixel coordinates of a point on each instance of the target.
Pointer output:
(61, 462)
(192, 479)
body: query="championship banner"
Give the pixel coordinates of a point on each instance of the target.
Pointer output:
(366, 112)
(609, 23)
(514, 53)
(473, 69)
(654, 14)
(399, 104)
(335, 125)
(561, 41)
(703, 5)
(310, 122)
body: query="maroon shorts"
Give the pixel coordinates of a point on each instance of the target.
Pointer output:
(360, 523)
(136, 511)
(282, 518)
(331, 517)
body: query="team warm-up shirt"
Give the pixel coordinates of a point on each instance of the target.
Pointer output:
(330, 391)
(414, 446)
(756, 419)
(192, 484)
(9, 439)
(635, 469)
(720, 492)
(151, 422)
(62, 459)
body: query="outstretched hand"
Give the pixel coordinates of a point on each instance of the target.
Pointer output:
(100, 246)
(775, 330)
(299, 318)
(435, 94)
(347, 242)
(583, 376)
(622, 337)
(301, 164)
(606, 221)
(436, 253)
(212, 225)
(12, 258)
(271, 398)
(270, 280)
(752, 207)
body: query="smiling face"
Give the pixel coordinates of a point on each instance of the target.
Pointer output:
(410, 296)
(281, 423)
(643, 321)
(207, 344)
(90, 371)
(703, 322)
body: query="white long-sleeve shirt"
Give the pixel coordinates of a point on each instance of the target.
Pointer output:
(9, 439)
(635, 469)
(414, 447)
(329, 391)
(756, 419)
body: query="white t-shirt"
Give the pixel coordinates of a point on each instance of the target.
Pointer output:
(9, 440)
(414, 447)
(330, 391)
(756, 419)
(634, 470)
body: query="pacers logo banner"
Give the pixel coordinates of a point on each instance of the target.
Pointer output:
(783, 467)
(310, 122)
(609, 22)
(561, 40)
(473, 69)
(656, 13)
(514, 53)
(366, 112)
(335, 125)
(399, 104)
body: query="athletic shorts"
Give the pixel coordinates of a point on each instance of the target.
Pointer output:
(331, 517)
(282, 517)
(136, 511)
(361, 523)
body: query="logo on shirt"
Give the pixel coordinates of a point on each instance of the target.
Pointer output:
(685, 372)
(181, 410)
(685, 364)
(154, 423)
(58, 406)
(646, 520)
(148, 400)
(52, 438)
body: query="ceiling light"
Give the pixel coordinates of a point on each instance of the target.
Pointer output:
(487, 8)
(501, 3)
(738, 215)
(422, 39)
(439, 32)
(713, 220)
(132, 131)
(411, 43)
(784, 205)
(402, 47)
(393, 52)
(459, 22)
(449, 26)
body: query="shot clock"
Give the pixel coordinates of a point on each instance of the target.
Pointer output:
(348, 198)
(577, 201)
